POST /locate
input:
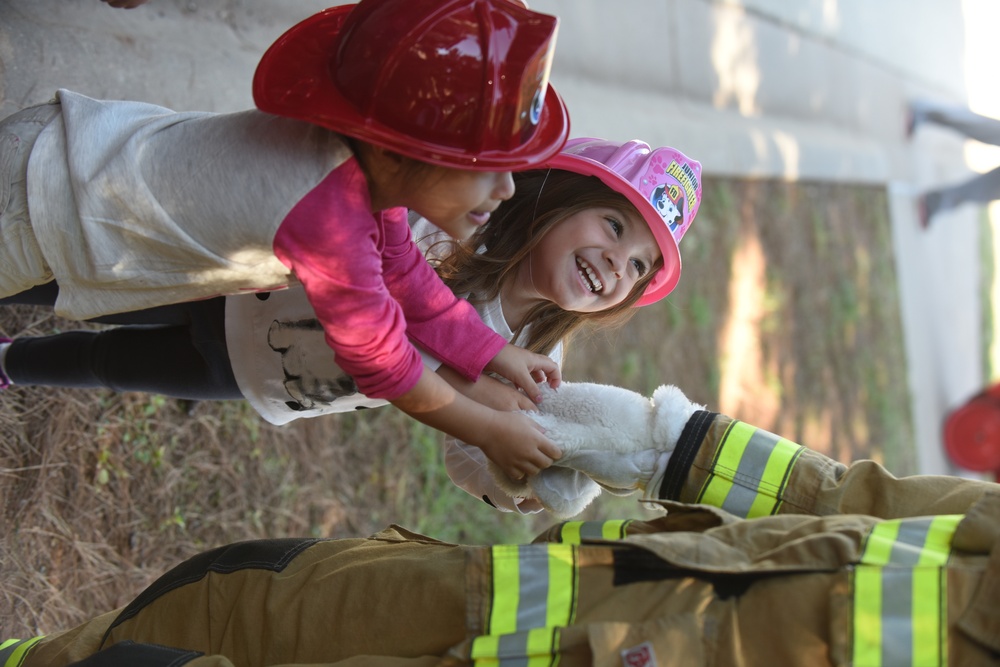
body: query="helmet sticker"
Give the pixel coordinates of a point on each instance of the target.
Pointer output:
(535, 113)
(672, 188)
(669, 203)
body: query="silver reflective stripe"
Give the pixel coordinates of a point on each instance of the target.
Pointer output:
(534, 595)
(751, 466)
(749, 471)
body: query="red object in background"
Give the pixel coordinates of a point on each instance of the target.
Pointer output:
(972, 433)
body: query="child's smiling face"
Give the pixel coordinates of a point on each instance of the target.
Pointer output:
(591, 260)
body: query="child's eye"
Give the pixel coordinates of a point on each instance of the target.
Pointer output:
(640, 267)
(616, 226)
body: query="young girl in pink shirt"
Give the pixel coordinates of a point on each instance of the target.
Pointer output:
(364, 111)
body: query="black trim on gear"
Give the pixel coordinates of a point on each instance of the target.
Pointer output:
(636, 566)
(131, 654)
(684, 454)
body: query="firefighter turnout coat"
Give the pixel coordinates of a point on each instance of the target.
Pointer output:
(769, 554)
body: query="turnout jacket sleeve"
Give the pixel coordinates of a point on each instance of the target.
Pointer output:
(751, 472)
(365, 277)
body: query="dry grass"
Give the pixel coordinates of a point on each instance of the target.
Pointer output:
(100, 493)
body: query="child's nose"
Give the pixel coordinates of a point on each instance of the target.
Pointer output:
(504, 186)
(615, 263)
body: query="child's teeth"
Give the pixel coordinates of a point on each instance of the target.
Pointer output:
(589, 275)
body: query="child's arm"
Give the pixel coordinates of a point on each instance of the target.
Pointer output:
(448, 327)
(369, 286)
(510, 439)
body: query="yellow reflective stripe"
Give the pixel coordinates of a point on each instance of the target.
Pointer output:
(570, 532)
(938, 545)
(506, 589)
(727, 456)
(562, 585)
(868, 616)
(929, 628)
(779, 463)
(537, 648)
(485, 649)
(12, 651)
(750, 471)
(614, 529)
(887, 544)
(541, 645)
(575, 532)
(534, 594)
(900, 593)
(878, 548)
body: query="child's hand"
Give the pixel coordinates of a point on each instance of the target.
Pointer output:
(511, 439)
(517, 444)
(488, 390)
(525, 369)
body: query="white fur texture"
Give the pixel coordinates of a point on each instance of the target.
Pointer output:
(611, 438)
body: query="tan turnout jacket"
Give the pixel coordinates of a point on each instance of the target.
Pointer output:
(910, 576)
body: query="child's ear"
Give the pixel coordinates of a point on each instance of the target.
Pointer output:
(386, 161)
(394, 158)
(379, 160)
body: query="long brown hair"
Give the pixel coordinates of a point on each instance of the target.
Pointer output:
(482, 265)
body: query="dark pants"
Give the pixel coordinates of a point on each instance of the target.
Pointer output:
(177, 350)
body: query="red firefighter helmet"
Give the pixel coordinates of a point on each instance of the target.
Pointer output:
(457, 83)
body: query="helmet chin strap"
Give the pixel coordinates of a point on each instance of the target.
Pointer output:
(534, 216)
(531, 278)
(538, 197)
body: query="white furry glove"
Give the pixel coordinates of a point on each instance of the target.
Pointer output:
(611, 438)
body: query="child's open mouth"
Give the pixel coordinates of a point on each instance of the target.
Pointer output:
(589, 276)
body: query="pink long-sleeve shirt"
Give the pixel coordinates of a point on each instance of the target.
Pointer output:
(371, 288)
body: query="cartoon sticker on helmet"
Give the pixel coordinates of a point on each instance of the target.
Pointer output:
(534, 86)
(675, 190)
(537, 103)
(668, 200)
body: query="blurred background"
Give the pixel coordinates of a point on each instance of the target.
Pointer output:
(811, 301)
